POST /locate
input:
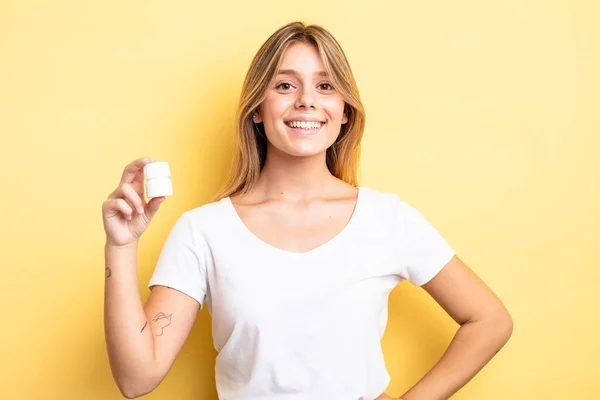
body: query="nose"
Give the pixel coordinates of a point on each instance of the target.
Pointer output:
(305, 99)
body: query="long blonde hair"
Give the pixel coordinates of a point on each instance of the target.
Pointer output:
(251, 144)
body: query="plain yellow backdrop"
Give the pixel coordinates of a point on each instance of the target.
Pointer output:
(482, 114)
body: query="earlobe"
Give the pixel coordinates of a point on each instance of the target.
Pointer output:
(256, 118)
(344, 118)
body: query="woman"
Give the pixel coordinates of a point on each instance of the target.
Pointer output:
(293, 259)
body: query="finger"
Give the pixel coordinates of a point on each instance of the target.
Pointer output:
(133, 198)
(132, 169)
(124, 208)
(154, 205)
(114, 206)
(119, 193)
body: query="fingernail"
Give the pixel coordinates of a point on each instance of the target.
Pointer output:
(141, 210)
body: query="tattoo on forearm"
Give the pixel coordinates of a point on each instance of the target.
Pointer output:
(108, 272)
(144, 327)
(163, 319)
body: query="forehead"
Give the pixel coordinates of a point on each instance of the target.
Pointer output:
(303, 58)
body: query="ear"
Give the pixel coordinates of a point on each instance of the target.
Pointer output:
(344, 118)
(256, 117)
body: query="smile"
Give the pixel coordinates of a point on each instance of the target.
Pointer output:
(305, 127)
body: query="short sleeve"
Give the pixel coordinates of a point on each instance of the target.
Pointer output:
(423, 251)
(181, 264)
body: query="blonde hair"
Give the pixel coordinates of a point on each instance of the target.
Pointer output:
(251, 144)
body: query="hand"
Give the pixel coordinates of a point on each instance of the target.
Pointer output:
(123, 223)
(386, 397)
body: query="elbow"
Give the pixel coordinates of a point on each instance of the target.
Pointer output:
(134, 391)
(507, 324)
(503, 324)
(495, 329)
(509, 328)
(134, 388)
(129, 394)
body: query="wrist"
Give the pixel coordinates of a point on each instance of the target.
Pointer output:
(121, 247)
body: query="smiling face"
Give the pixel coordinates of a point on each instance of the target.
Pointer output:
(302, 113)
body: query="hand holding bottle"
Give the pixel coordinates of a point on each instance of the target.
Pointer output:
(125, 213)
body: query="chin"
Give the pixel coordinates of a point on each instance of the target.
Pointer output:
(305, 153)
(301, 146)
(299, 151)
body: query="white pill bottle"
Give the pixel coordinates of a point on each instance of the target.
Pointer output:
(158, 182)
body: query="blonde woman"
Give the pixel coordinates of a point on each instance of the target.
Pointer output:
(294, 260)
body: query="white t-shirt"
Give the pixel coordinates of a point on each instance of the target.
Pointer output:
(300, 326)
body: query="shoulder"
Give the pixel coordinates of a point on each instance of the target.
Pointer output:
(382, 200)
(206, 215)
(388, 206)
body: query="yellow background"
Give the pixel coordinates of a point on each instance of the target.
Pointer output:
(482, 114)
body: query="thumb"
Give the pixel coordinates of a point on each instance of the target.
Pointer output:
(154, 205)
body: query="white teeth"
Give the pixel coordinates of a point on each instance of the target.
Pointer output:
(305, 124)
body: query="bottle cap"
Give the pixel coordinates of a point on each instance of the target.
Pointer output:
(156, 169)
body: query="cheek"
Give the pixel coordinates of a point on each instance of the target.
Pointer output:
(275, 105)
(336, 110)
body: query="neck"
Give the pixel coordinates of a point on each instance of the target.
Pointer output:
(294, 178)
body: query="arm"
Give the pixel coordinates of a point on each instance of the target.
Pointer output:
(485, 326)
(142, 341)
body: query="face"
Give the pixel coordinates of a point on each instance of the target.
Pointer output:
(302, 113)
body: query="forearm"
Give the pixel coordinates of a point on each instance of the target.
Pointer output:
(473, 346)
(128, 334)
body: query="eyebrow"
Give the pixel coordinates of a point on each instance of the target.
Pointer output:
(295, 73)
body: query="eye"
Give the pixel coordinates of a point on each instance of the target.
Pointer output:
(284, 86)
(325, 86)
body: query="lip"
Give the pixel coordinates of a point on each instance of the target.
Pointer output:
(304, 118)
